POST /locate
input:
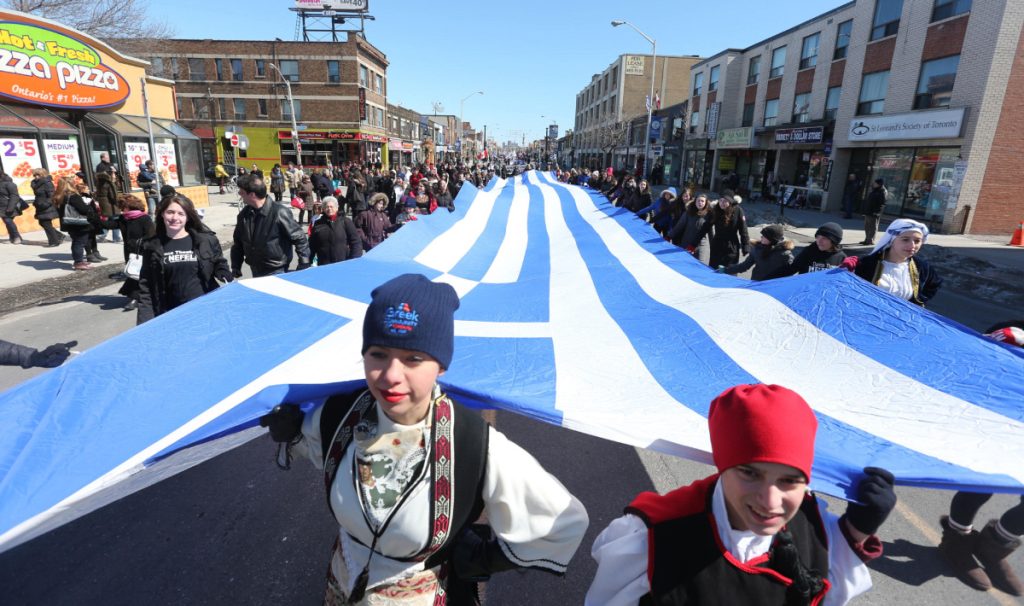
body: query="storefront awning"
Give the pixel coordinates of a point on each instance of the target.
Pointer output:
(32, 119)
(118, 124)
(178, 130)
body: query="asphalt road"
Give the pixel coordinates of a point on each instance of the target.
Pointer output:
(237, 530)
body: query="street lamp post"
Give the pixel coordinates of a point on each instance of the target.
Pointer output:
(462, 104)
(650, 99)
(291, 106)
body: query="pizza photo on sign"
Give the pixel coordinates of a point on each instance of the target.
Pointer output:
(65, 172)
(22, 171)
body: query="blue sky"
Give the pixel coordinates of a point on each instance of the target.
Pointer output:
(530, 58)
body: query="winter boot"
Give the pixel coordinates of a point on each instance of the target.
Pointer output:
(992, 550)
(82, 266)
(958, 550)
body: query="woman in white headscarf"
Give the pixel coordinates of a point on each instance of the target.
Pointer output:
(893, 265)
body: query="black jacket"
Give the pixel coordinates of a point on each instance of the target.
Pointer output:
(811, 259)
(43, 189)
(766, 260)
(9, 199)
(152, 283)
(334, 241)
(134, 231)
(875, 202)
(262, 239)
(85, 209)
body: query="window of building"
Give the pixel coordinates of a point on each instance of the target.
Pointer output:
(778, 62)
(239, 109)
(771, 112)
(748, 115)
(157, 66)
(286, 110)
(174, 68)
(236, 70)
(753, 70)
(694, 121)
(809, 51)
(378, 115)
(935, 85)
(261, 68)
(178, 105)
(290, 69)
(219, 65)
(944, 9)
(698, 83)
(843, 33)
(713, 78)
(197, 70)
(832, 102)
(334, 71)
(378, 83)
(802, 108)
(261, 107)
(364, 76)
(887, 18)
(222, 109)
(872, 93)
(200, 108)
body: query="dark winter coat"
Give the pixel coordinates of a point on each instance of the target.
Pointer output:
(925, 281)
(132, 230)
(766, 260)
(105, 194)
(263, 238)
(811, 259)
(85, 209)
(875, 201)
(729, 236)
(374, 227)
(152, 282)
(322, 184)
(689, 233)
(276, 180)
(12, 354)
(335, 241)
(43, 189)
(9, 199)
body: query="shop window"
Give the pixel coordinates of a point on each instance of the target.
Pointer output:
(378, 83)
(261, 107)
(771, 112)
(156, 66)
(713, 78)
(364, 76)
(239, 109)
(944, 9)
(334, 71)
(753, 70)
(872, 93)
(236, 70)
(809, 51)
(694, 121)
(843, 33)
(178, 106)
(887, 18)
(200, 108)
(748, 115)
(286, 110)
(197, 70)
(290, 70)
(698, 83)
(219, 66)
(935, 85)
(189, 170)
(778, 62)
(802, 108)
(832, 102)
(261, 68)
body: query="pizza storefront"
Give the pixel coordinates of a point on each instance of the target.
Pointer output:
(66, 98)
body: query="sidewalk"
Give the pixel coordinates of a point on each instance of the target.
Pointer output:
(32, 262)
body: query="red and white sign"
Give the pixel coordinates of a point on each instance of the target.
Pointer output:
(234, 140)
(62, 158)
(136, 154)
(19, 157)
(167, 164)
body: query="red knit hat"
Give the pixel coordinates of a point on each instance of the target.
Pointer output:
(762, 424)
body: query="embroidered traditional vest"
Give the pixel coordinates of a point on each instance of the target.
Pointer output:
(687, 563)
(456, 464)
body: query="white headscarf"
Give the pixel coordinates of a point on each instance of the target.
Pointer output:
(896, 228)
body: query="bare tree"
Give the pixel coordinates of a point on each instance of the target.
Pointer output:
(104, 19)
(611, 136)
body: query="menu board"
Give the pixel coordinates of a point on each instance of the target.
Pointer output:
(62, 158)
(167, 164)
(19, 157)
(136, 154)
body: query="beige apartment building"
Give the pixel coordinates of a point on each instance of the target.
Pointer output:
(618, 94)
(925, 94)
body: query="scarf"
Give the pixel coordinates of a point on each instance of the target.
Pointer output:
(896, 228)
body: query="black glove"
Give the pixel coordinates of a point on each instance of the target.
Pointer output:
(877, 498)
(237, 273)
(746, 249)
(52, 356)
(476, 556)
(284, 422)
(303, 265)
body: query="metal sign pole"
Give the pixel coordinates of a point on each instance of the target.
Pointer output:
(149, 128)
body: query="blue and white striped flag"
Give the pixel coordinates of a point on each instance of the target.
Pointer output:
(573, 312)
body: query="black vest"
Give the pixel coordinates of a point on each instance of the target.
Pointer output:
(470, 450)
(688, 565)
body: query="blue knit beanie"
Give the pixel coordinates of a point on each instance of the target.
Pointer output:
(411, 312)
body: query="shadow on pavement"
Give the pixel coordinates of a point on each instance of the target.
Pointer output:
(104, 302)
(910, 563)
(44, 264)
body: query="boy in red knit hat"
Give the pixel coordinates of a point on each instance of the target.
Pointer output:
(751, 533)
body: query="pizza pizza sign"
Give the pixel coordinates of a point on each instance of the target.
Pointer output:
(45, 67)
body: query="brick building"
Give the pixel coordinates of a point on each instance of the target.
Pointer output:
(615, 96)
(880, 89)
(339, 91)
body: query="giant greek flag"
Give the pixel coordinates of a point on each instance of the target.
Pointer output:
(573, 312)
